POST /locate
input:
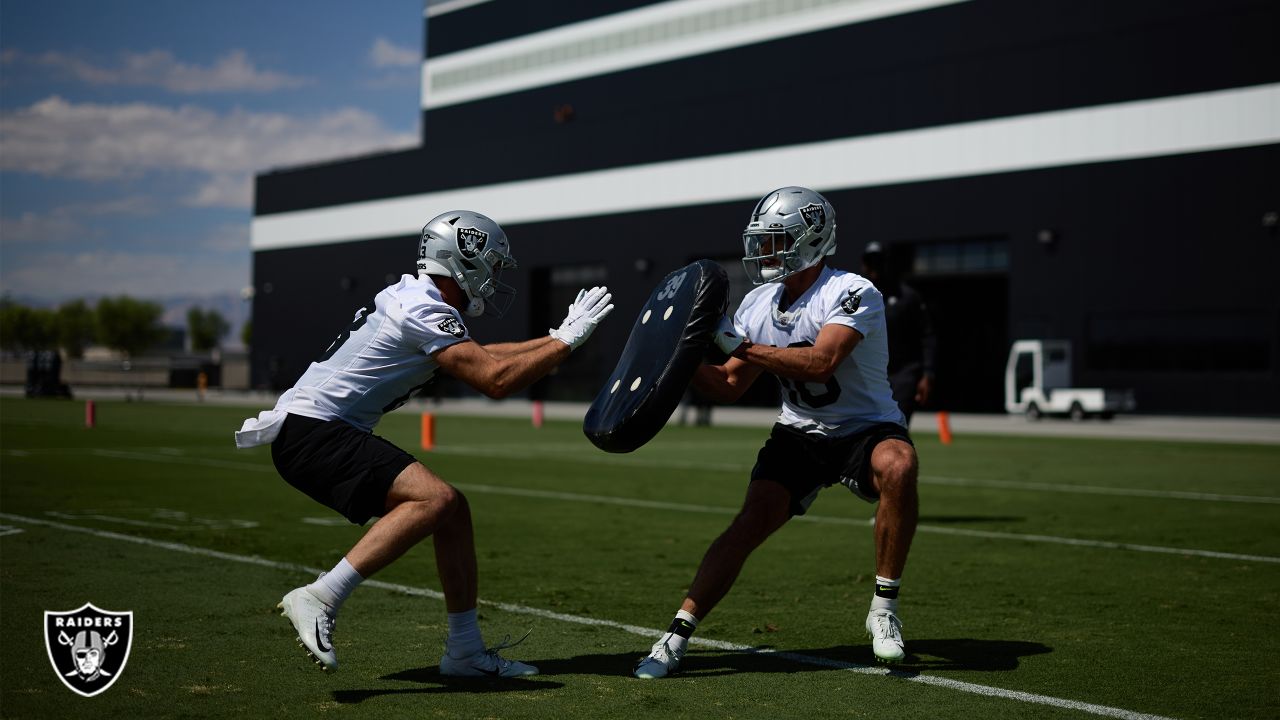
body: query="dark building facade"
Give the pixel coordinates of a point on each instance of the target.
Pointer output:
(1107, 173)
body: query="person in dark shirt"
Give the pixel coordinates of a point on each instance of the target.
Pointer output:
(912, 343)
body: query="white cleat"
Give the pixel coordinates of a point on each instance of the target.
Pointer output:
(662, 661)
(885, 630)
(314, 622)
(487, 663)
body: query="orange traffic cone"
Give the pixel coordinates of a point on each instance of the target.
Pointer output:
(428, 431)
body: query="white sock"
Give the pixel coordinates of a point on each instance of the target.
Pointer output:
(335, 586)
(464, 635)
(885, 603)
(675, 640)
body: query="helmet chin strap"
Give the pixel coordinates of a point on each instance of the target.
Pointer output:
(475, 308)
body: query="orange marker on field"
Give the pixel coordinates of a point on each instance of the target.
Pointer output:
(90, 417)
(428, 431)
(944, 427)
(537, 413)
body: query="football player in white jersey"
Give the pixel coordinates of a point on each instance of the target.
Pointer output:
(821, 332)
(321, 429)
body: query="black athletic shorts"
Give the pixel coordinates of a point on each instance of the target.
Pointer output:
(338, 465)
(804, 463)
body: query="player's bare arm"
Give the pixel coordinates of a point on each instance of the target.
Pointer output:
(500, 376)
(515, 366)
(725, 383)
(808, 364)
(507, 349)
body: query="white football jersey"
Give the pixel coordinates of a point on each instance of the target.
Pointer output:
(858, 394)
(381, 359)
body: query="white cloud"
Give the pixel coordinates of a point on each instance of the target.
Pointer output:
(385, 53)
(223, 190)
(228, 238)
(67, 222)
(233, 72)
(131, 205)
(90, 141)
(102, 272)
(36, 228)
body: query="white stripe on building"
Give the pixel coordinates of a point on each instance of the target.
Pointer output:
(1240, 117)
(636, 38)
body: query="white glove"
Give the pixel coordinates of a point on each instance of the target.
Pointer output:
(726, 336)
(584, 314)
(575, 307)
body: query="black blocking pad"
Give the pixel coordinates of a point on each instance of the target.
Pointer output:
(668, 342)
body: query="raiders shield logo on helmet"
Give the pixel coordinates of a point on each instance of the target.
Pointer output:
(451, 326)
(851, 303)
(88, 646)
(815, 216)
(471, 241)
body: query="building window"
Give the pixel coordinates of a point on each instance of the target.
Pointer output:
(973, 255)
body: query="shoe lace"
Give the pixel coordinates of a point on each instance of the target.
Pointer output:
(506, 643)
(664, 649)
(328, 624)
(661, 651)
(888, 626)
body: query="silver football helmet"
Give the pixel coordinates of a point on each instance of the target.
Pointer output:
(473, 250)
(792, 228)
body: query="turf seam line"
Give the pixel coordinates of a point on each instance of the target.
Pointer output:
(734, 467)
(653, 504)
(948, 683)
(990, 534)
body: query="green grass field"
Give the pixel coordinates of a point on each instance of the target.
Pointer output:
(1050, 577)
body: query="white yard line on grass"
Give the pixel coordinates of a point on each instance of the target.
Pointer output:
(1099, 490)
(948, 683)
(111, 519)
(572, 453)
(934, 529)
(725, 510)
(550, 451)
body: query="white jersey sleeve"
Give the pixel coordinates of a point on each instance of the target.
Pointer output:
(858, 394)
(384, 356)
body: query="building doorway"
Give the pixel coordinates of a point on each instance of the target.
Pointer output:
(965, 283)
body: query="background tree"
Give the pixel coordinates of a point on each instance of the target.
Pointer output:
(26, 328)
(246, 333)
(206, 328)
(76, 329)
(129, 325)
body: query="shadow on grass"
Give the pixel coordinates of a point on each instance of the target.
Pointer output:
(436, 683)
(970, 654)
(958, 519)
(923, 656)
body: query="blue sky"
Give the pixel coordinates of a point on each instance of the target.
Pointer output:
(130, 131)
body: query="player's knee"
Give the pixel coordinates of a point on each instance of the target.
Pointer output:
(447, 500)
(430, 507)
(456, 508)
(751, 526)
(897, 471)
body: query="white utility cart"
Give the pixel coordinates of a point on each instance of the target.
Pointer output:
(1037, 382)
